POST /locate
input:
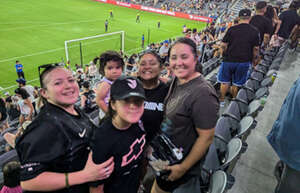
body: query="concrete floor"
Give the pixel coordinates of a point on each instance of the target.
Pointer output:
(254, 170)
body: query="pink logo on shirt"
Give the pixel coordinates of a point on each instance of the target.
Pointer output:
(132, 83)
(132, 155)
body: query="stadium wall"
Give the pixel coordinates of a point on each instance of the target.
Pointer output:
(159, 11)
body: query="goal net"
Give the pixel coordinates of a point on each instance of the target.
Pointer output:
(83, 50)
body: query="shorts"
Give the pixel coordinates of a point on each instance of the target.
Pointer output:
(234, 72)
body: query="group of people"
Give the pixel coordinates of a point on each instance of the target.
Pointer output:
(244, 43)
(61, 150)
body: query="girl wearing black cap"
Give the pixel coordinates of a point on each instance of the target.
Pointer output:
(122, 136)
(54, 149)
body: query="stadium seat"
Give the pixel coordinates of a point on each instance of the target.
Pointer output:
(8, 156)
(266, 82)
(220, 182)
(252, 85)
(262, 92)
(257, 75)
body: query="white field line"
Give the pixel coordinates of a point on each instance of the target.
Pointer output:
(17, 85)
(50, 24)
(49, 51)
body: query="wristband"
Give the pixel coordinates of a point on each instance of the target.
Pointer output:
(67, 180)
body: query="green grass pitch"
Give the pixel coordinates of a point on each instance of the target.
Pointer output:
(34, 32)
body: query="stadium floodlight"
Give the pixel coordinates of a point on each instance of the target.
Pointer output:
(83, 50)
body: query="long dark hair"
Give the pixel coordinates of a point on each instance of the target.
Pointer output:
(192, 45)
(24, 94)
(109, 56)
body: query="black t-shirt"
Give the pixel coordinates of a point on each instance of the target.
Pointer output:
(55, 141)
(126, 146)
(241, 40)
(289, 19)
(153, 109)
(189, 106)
(88, 106)
(263, 24)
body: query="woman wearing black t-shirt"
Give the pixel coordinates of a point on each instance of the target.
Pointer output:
(122, 136)
(54, 149)
(155, 90)
(191, 112)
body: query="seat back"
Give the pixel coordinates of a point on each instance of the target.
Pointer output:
(218, 182)
(223, 128)
(233, 110)
(234, 148)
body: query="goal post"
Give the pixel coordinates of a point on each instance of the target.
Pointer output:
(83, 50)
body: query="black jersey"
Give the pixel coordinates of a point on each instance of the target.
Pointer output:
(153, 109)
(55, 141)
(126, 146)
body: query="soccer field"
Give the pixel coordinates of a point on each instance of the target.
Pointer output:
(34, 32)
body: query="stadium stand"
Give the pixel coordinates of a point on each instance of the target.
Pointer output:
(224, 165)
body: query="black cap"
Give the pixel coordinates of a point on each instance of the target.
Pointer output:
(245, 13)
(261, 5)
(21, 81)
(125, 87)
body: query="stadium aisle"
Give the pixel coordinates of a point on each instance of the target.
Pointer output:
(254, 170)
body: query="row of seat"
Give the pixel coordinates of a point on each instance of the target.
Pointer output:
(237, 121)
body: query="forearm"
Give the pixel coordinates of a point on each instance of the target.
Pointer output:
(50, 181)
(198, 150)
(102, 105)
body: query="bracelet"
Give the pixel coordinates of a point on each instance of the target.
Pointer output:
(67, 180)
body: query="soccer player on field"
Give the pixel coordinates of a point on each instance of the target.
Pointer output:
(137, 20)
(111, 14)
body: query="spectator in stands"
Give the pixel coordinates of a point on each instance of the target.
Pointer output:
(80, 77)
(163, 51)
(24, 105)
(53, 150)
(284, 139)
(131, 64)
(240, 45)
(290, 20)
(3, 116)
(111, 67)
(122, 136)
(263, 24)
(29, 89)
(12, 107)
(191, 112)
(276, 22)
(19, 69)
(11, 175)
(92, 70)
(87, 98)
(150, 67)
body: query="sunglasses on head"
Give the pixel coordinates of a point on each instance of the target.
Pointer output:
(46, 67)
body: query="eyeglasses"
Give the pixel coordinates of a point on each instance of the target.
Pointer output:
(46, 68)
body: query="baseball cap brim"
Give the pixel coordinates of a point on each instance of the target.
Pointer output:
(131, 94)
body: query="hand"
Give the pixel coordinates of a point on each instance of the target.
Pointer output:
(94, 172)
(177, 171)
